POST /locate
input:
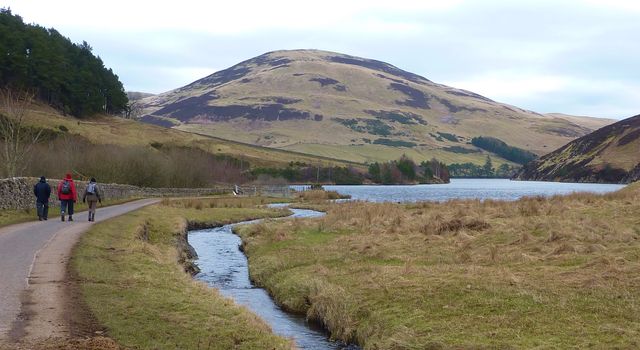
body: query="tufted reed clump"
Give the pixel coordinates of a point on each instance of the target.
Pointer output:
(320, 195)
(545, 272)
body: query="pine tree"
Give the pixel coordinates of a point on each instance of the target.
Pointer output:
(488, 167)
(65, 75)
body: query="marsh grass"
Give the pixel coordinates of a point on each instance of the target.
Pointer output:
(218, 202)
(320, 195)
(551, 272)
(131, 280)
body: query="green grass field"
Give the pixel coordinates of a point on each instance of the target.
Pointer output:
(138, 291)
(379, 153)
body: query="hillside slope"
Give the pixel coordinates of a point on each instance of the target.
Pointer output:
(108, 130)
(347, 107)
(610, 154)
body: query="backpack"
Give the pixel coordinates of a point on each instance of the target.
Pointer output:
(66, 187)
(91, 188)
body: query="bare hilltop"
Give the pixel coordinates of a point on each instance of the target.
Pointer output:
(353, 108)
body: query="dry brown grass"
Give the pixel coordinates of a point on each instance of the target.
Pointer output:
(217, 202)
(107, 130)
(320, 195)
(539, 272)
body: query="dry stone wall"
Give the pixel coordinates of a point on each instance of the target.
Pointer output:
(17, 193)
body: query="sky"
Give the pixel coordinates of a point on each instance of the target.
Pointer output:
(579, 57)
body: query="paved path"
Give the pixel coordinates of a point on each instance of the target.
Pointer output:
(33, 259)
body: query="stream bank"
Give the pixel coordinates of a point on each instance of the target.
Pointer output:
(224, 266)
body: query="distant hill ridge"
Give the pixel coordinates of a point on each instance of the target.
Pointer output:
(609, 154)
(347, 107)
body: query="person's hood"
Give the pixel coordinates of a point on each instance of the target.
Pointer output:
(68, 177)
(43, 179)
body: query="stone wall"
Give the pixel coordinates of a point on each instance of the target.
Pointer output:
(17, 193)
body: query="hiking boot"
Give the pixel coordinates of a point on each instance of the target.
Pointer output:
(70, 218)
(62, 218)
(39, 218)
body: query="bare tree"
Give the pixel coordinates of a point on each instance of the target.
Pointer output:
(134, 109)
(18, 138)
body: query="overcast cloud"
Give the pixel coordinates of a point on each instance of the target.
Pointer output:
(574, 57)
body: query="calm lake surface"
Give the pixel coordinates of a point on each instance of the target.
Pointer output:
(503, 189)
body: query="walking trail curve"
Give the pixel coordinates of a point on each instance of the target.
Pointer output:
(34, 304)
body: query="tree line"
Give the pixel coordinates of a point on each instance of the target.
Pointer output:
(299, 172)
(499, 147)
(406, 171)
(395, 172)
(65, 75)
(487, 170)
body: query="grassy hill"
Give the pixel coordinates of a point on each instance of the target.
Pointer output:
(108, 130)
(126, 151)
(353, 108)
(610, 154)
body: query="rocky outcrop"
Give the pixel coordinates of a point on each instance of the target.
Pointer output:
(17, 193)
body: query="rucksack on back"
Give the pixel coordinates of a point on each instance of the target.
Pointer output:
(91, 188)
(66, 187)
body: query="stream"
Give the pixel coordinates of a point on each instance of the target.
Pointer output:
(225, 267)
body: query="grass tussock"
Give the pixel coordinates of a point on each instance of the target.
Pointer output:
(551, 272)
(131, 280)
(320, 195)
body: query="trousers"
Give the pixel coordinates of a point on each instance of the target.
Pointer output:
(43, 209)
(66, 204)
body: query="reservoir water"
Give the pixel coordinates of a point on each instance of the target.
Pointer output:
(502, 189)
(225, 267)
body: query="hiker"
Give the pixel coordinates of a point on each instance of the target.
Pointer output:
(42, 191)
(91, 197)
(67, 195)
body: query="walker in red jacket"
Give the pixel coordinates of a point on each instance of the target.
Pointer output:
(67, 195)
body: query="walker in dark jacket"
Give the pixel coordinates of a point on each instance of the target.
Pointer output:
(42, 191)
